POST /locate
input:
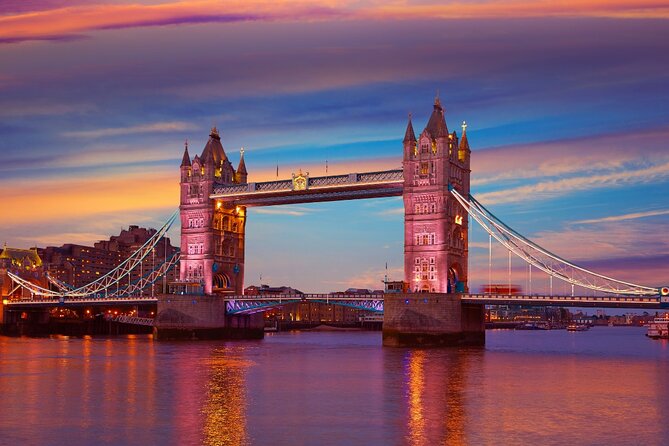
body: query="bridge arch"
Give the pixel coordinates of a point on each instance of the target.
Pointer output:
(221, 281)
(454, 277)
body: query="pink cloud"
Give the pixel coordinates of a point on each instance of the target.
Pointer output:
(61, 22)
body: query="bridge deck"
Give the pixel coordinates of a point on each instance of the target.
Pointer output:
(388, 183)
(610, 301)
(280, 299)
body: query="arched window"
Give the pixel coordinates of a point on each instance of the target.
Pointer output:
(425, 208)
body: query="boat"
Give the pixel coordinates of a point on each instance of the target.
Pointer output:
(539, 325)
(578, 327)
(659, 328)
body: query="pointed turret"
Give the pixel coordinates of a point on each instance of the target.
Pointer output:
(436, 126)
(213, 149)
(463, 148)
(464, 144)
(241, 169)
(185, 161)
(409, 135)
(242, 165)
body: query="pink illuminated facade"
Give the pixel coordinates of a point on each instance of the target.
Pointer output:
(435, 225)
(214, 197)
(212, 232)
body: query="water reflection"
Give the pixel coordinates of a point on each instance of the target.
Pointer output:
(436, 384)
(226, 402)
(416, 389)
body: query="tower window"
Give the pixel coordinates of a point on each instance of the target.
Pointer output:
(424, 168)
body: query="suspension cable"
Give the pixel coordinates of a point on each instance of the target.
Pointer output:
(551, 264)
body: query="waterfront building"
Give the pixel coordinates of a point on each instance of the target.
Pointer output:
(77, 265)
(26, 263)
(309, 313)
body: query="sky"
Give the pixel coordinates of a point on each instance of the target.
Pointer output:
(566, 105)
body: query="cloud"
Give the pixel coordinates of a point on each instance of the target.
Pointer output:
(391, 211)
(157, 127)
(59, 23)
(631, 216)
(293, 211)
(568, 156)
(70, 199)
(371, 278)
(17, 110)
(555, 188)
(59, 238)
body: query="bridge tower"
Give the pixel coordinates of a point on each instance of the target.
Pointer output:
(435, 243)
(435, 225)
(212, 232)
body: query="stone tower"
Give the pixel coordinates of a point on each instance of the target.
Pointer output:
(435, 225)
(212, 232)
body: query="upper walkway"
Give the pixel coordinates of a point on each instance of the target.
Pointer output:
(303, 189)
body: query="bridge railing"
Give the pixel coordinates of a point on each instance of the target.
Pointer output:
(306, 297)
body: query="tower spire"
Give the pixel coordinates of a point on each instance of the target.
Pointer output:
(242, 165)
(409, 135)
(436, 126)
(185, 161)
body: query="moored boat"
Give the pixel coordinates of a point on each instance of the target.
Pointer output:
(659, 328)
(577, 327)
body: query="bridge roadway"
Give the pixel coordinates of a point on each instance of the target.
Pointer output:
(372, 302)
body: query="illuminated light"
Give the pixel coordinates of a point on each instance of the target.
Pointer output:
(5, 301)
(664, 291)
(219, 204)
(458, 219)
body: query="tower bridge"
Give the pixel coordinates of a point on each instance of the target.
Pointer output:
(434, 181)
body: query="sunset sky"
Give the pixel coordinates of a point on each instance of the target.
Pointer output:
(567, 105)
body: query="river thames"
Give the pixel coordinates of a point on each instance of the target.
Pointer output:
(609, 385)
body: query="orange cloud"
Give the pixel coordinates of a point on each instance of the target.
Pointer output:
(77, 19)
(64, 22)
(63, 200)
(137, 192)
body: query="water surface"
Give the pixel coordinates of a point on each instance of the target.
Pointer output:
(609, 385)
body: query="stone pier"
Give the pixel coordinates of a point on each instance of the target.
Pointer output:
(187, 316)
(24, 322)
(431, 319)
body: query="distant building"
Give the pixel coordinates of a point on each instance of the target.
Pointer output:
(77, 265)
(310, 312)
(27, 264)
(255, 290)
(397, 286)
